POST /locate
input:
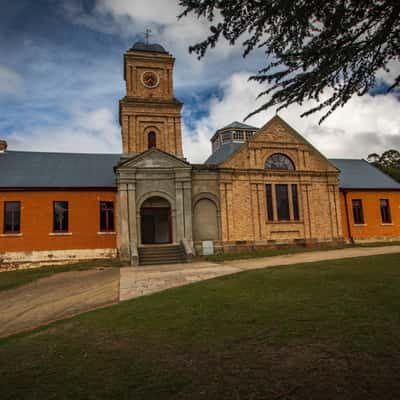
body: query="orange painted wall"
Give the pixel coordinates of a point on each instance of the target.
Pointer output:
(373, 227)
(37, 221)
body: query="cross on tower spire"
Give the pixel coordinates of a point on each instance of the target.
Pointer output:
(147, 35)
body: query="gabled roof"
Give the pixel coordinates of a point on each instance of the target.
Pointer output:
(153, 157)
(359, 174)
(283, 122)
(223, 152)
(24, 169)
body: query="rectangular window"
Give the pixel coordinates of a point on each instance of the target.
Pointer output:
(60, 216)
(282, 202)
(12, 217)
(238, 135)
(385, 211)
(226, 137)
(358, 211)
(106, 216)
(295, 201)
(270, 210)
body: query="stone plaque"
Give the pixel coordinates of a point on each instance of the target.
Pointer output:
(208, 247)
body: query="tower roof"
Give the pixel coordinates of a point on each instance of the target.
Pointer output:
(148, 47)
(238, 125)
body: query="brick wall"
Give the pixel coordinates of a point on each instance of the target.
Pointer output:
(373, 228)
(37, 221)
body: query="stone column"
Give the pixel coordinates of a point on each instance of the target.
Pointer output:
(180, 220)
(187, 197)
(133, 237)
(123, 225)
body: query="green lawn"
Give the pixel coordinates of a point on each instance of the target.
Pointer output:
(13, 279)
(328, 330)
(290, 250)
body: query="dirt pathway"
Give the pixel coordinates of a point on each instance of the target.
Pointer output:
(59, 296)
(136, 282)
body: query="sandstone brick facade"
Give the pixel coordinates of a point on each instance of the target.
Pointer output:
(243, 180)
(150, 109)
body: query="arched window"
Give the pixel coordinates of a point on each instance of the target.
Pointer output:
(152, 140)
(279, 161)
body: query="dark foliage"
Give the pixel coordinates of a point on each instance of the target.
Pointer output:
(334, 47)
(388, 162)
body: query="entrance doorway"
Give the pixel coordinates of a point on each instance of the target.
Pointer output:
(156, 221)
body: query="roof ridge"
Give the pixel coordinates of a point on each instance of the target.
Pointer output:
(61, 152)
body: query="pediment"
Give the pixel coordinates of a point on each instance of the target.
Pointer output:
(154, 158)
(276, 136)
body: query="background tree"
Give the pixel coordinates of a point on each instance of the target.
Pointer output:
(310, 46)
(388, 162)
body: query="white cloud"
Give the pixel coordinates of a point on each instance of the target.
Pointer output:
(11, 83)
(130, 18)
(86, 132)
(364, 125)
(389, 76)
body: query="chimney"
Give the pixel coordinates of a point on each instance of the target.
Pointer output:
(3, 146)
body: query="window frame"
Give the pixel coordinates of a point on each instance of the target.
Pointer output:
(279, 210)
(358, 219)
(269, 202)
(388, 215)
(11, 232)
(151, 140)
(54, 216)
(270, 160)
(107, 229)
(295, 202)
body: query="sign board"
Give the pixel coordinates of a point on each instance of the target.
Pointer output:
(208, 247)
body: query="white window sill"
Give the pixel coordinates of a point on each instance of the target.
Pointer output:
(387, 224)
(106, 233)
(11, 235)
(360, 225)
(60, 233)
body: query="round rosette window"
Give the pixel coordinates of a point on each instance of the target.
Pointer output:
(150, 79)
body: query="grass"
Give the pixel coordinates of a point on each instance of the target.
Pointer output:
(13, 279)
(327, 330)
(290, 250)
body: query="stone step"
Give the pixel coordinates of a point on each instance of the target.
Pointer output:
(160, 251)
(156, 255)
(158, 258)
(161, 262)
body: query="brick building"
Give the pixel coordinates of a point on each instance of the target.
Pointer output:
(260, 187)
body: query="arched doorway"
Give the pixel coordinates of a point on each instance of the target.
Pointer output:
(156, 221)
(152, 140)
(205, 220)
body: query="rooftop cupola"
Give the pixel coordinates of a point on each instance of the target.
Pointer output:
(234, 132)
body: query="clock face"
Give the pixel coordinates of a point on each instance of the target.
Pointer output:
(150, 79)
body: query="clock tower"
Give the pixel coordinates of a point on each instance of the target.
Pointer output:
(150, 115)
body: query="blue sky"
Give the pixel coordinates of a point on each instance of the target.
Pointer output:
(61, 79)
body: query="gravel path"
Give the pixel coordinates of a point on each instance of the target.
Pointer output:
(59, 296)
(137, 282)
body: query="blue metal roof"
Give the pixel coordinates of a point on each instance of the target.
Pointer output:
(238, 125)
(24, 169)
(359, 174)
(19, 169)
(223, 152)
